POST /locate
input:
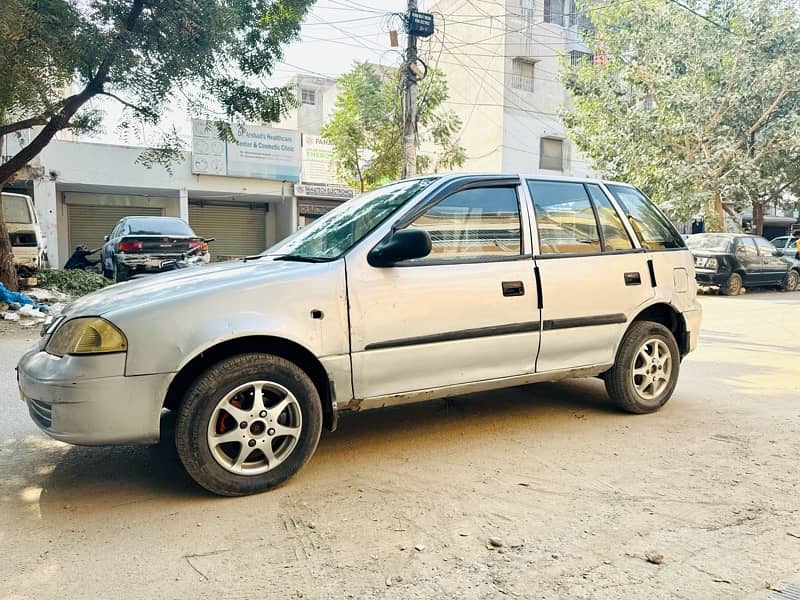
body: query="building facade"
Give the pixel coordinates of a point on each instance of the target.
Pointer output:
(81, 190)
(501, 60)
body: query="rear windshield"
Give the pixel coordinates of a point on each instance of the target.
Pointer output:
(157, 226)
(653, 229)
(15, 209)
(720, 243)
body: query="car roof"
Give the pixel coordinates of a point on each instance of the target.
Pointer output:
(501, 174)
(150, 217)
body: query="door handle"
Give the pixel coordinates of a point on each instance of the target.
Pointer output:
(513, 288)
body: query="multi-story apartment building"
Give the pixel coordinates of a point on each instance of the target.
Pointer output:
(502, 62)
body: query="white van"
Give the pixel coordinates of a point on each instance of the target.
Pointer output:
(22, 223)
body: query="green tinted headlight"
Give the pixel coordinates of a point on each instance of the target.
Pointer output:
(87, 335)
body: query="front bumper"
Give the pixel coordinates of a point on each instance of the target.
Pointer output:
(87, 400)
(711, 277)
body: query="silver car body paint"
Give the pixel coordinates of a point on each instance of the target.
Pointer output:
(171, 318)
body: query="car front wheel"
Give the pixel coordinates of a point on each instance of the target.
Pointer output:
(248, 424)
(646, 369)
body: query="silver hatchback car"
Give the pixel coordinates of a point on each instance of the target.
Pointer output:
(422, 289)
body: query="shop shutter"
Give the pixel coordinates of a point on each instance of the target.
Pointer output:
(89, 224)
(237, 230)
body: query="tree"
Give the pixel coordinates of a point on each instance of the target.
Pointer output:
(139, 53)
(366, 127)
(700, 109)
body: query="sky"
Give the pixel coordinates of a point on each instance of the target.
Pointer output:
(333, 36)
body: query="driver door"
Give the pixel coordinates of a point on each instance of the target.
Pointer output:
(467, 312)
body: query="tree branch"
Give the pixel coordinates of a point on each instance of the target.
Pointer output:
(23, 124)
(145, 111)
(767, 113)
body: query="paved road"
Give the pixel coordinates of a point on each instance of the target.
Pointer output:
(578, 493)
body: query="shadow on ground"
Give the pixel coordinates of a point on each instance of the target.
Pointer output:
(61, 478)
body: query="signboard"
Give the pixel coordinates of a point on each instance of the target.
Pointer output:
(337, 192)
(258, 152)
(319, 165)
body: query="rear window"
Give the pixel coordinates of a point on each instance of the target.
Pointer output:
(653, 229)
(15, 209)
(718, 243)
(157, 226)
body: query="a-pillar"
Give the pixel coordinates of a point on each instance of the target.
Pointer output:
(46, 200)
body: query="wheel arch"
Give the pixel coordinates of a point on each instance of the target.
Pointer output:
(292, 351)
(671, 318)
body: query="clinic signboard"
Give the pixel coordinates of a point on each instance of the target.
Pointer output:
(258, 152)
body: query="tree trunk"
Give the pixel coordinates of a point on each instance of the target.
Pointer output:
(758, 218)
(8, 274)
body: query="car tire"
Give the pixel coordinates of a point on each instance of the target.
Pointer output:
(792, 281)
(231, 458)
(733, 286)
(119, 272)
(648, 350)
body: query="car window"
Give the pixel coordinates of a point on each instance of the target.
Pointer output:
(157, 226)
(472, 224)
(15, 209)
(745, 247)
(780, 242)
(651, 227)
(613, 232)
(765, 247)
(564, 218)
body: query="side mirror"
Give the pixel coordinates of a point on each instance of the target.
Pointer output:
(105, 238)
(778, 253)
(401, 245)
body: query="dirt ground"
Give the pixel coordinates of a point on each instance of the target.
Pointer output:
(402, 503)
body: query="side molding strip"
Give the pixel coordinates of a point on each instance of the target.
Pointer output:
(452, 336)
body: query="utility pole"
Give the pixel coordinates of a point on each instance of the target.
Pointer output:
(410, 99)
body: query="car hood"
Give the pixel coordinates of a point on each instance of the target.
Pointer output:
(175, 286)
(708, 253)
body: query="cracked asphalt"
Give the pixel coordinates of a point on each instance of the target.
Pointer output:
(402, 502)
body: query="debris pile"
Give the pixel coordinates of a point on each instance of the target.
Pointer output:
(15, 306)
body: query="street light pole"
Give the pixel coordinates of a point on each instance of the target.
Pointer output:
(410, 101)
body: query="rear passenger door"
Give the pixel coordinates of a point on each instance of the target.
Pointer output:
(748, 257)
(593, 277)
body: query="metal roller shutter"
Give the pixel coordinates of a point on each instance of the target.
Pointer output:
(238, 230)
(89, 224)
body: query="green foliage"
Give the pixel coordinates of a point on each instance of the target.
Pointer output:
(73, 282)
(688, 110)
(366, 128)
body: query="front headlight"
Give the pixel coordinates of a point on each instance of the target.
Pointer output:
(711, 263)
(86, 335)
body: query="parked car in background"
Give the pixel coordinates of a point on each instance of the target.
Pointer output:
(787, 244)
(422, 289)
(732, 261)
(149, 245)
(27, 241)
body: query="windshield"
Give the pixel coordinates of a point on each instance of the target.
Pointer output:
(15, 209)
(335, 233)
(157, 226)
(709, 242)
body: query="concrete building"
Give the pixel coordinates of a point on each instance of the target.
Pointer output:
(501, 60)
(82, 189)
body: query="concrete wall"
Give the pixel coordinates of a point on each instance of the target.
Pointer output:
(307, 118)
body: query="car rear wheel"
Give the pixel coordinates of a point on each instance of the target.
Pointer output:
(119, 272)
(248, 424)
(733, 286)
(792, 281)
(646, 369)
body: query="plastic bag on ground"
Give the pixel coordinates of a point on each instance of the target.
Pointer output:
(9, 316)
(30, 311)
(9, 296)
